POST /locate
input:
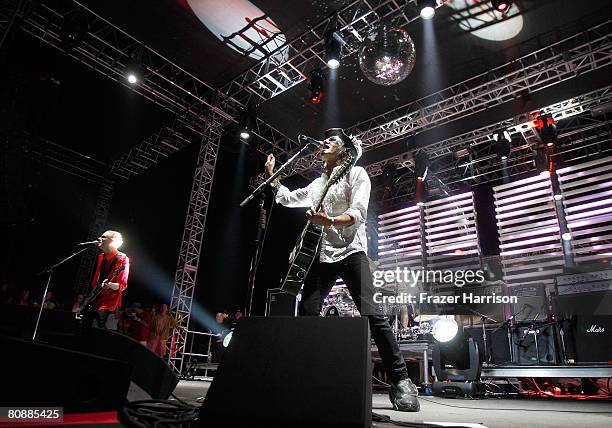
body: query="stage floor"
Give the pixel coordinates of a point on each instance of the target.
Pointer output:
(492, 413)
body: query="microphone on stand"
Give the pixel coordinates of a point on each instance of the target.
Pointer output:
(95, 242)
(309, 140)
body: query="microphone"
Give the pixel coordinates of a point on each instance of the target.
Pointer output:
(311, 141)
(83, 244)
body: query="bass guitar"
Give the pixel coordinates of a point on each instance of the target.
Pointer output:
(307, 246)
(88, 303)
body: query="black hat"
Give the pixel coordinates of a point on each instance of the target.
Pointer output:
(339, 132)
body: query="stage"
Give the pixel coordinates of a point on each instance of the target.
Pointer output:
(491, 413)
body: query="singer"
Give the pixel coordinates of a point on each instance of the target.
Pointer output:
(109, 280)
(343, 252)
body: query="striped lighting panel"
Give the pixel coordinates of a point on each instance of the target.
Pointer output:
(399, 239)
(587, 202)
(451, 233)
(530, 242)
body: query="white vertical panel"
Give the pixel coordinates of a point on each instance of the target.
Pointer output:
(587, 202)
(530, 242)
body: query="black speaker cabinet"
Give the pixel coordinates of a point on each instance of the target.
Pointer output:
(149, 371)
(35, 374)
(532, 303)
(280, 303)
(293, 372)
(498, 344)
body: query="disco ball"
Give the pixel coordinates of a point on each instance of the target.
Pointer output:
(387, 55)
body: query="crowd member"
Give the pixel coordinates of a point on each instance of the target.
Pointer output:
(23, 297)
(160, 331)
(77, 303)
(140, 323)
(50, 302)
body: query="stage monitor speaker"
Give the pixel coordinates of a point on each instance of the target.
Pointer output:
(293, 372)
(40, 375)
(280, 303)
(532, 305)
(150, 373)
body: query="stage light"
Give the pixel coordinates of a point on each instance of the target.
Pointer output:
(558, 197)
(134, 72)
(566, 236)
(315, 85)
(421, 166)
(428, 8)
(501, 5)
(227, 339)
(445, 329)
(502, 144)
(547, 129)
(246, 122)
(333, 50)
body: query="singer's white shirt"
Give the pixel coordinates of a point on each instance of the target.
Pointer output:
(351, 196)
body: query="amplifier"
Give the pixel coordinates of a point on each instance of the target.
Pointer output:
(531, 305)
(280, 303)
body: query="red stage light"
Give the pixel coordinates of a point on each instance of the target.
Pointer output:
(316, 98)
(501, 5)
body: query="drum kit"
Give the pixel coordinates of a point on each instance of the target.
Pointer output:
(405, 326)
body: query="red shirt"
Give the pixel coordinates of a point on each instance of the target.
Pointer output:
(111, 299)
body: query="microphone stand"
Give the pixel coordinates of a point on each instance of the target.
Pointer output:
(50, 271)
(261, 226)
(270, 179)
(261, 221)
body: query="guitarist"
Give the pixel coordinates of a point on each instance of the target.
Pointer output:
(343, 253)
(110, 261)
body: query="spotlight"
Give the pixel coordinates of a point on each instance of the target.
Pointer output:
(421, 166)
(547, 129)
(501, 5)
(333, 50)
(134, 72)
(315, 85)
(566, 236)
(246, 122)
(558, 197)
(445, 329)
(502, 144)
(227, 339)
(428, 8)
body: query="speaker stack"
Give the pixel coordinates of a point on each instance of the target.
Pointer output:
(82, 373)
(293, 372)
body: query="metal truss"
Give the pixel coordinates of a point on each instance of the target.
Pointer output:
(269, 78)
(163, 143)
(185, 279)
(576, 55)
(579, 54)
(460, 145)
(96, 228)
(580, 137)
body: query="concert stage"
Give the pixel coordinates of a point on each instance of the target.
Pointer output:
(500, 413)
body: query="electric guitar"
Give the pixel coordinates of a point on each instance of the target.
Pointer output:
(307, 246)
(88, 303)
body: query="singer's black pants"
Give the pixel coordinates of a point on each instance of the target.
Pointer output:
(355, 272)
